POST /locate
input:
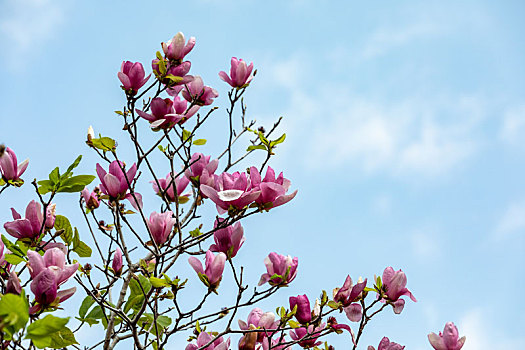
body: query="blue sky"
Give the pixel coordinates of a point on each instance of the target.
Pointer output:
(405, 124)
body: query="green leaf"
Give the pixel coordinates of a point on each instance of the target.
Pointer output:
(62, 339)
(75, 183)
(13, 259)
(158, 282)
(2, 182)
(62, 223)
(79, 247)
(199, 142)
(50, 331)
(54, 176)
(45, 186)
(104, 143)
(14, 314)
(294, 324)
(73, 165)
(195, 233)
(85, 306)
(159, 56)
(174, 79)
(254, 147)
(185, 134)
(96, 313)
(162, 67)
(334, 305)
(278, 141)
(13, 247)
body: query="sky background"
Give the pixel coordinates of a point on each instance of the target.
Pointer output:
(405, 125)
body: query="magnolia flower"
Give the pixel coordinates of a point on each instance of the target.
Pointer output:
(30, 226)
(448, 340)
(162, 113)
(116, 183)
(304, 313)
(257, 318)
(273, 190)
(394, 285)
(311, 333)
(176, 74)
(201, 169)
(347, 295)
(283, 266)
(9, 167)
(91, 198)
(176, 48)
(231, 190)
(160, 226)
(386, 344)
(204, 338)
(197, 92)
(116, 264)
(13, 284)
(48, 272)
(132, 76)
(229, 239)
(212, 274)
(4, 265)
(239, 73)
(170, 186)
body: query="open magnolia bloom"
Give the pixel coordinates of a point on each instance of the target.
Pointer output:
(48, 272)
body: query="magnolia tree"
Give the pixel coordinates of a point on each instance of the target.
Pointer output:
(129, 277)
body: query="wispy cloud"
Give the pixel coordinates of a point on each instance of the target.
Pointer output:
(483, 335)
(385, 39)
(513, 127)
(25, 26)
(512, 222)
(425, 246)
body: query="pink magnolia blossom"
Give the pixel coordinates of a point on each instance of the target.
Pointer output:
(161, 225)
(48, 272)
(257, 318)
(347, 295)
(211, 275)
(4, 265)
(231, 190)
(394, 285)
(171, 186)
(201, 169)
(116, 183)
(273, 190)
(448, 340)
(228, 240)
(9, 167)
(91, 198)
(386, 344)
(13, 284)
(179, 73)
(116, 264)
(30, 226)
(307, 332)
(240, 73)
(204, 338)
(304, 312)
(176, 48)
(197, 92)
(132, 76)
(162, 115)
(339, 327)
(283, 266)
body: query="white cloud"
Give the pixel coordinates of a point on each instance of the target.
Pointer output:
(513, 128)
(512, 221)
(386, 39)
(25, 26)
(482, 335)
